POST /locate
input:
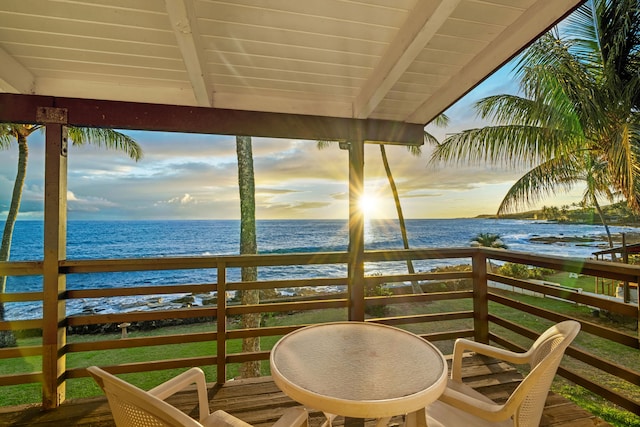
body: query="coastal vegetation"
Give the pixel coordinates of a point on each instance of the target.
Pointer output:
(488, 240)
(616, 213)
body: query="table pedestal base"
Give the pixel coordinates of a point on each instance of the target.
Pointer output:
(414, 419)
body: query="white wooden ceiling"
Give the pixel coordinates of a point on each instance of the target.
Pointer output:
(402, 60)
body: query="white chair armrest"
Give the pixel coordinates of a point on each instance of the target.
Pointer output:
(480, 408)
(221, 418)
(462, 345)
(180, 382)
(293, 417)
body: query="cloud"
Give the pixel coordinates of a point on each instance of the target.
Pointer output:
(184, 200)
(264, 190)
(292, 210)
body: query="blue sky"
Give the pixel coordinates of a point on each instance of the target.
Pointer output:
(185, 176)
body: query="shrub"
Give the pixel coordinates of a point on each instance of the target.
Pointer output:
(518, 271)
(379, 290)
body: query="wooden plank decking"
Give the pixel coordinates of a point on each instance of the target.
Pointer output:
(259, 402)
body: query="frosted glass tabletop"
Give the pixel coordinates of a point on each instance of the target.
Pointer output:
(360, 370)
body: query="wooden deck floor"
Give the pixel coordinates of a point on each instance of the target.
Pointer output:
(259, 402)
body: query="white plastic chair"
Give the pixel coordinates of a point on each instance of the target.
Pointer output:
(134, 407)
(461, 405)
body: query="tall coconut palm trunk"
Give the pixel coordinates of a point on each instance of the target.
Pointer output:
(415, 286)
(7, 339)
(248, 245)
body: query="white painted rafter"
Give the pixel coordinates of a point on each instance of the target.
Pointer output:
(184, 24)
(541, 15)
(14, 77)
(423, 22)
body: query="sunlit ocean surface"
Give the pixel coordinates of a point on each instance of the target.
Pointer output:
(140, 239)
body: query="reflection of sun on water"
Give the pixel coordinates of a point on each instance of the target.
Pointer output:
(368, 204)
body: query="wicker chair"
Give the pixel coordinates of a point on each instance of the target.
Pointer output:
(460, 405)
(132, 406)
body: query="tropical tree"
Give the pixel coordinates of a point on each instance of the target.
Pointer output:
(577, 119)
(415, 150)
(20, 133)
(248, 245)
(488, 240)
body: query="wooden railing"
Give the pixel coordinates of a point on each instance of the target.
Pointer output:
(479, 307)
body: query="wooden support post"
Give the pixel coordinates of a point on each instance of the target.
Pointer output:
(480, 298)
(221, 322)
(356, 230)
(54, 284)
(638, 306)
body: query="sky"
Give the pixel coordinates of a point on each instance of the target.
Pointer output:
(187, 176)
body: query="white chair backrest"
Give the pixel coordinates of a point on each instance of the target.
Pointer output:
(546, 355)
(134, 407)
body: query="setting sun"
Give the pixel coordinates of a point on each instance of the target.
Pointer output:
(368, 204)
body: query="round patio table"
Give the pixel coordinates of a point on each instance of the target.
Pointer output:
(359, 370)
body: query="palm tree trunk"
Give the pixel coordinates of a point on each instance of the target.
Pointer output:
(248, 245)
(415, 286)
(606, 226)
(7, 339)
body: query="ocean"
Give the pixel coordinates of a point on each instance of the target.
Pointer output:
(181, 238)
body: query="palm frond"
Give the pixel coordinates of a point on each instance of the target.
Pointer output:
(5, 136)
(581, 28)
(510, 146)
(321, 145)
(106, 138)
(516, 110)
(548, 178)
(442, 120)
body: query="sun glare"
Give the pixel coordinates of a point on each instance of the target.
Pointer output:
(368, 205)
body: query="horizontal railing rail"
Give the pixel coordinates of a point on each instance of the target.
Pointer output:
(453, 304)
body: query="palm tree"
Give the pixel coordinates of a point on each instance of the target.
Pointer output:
(488, 240)
(248, 245)
(577, 120)
(415, 150)
(9, 132)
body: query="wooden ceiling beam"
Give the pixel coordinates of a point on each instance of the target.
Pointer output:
(173, 118)
(185, 26)
(515, 38)
(423, 23)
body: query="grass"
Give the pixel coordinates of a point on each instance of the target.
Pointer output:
(597, 406)
(85, 387)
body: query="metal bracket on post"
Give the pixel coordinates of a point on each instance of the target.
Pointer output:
(64, 144)
(55, 115)
(52, 115)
